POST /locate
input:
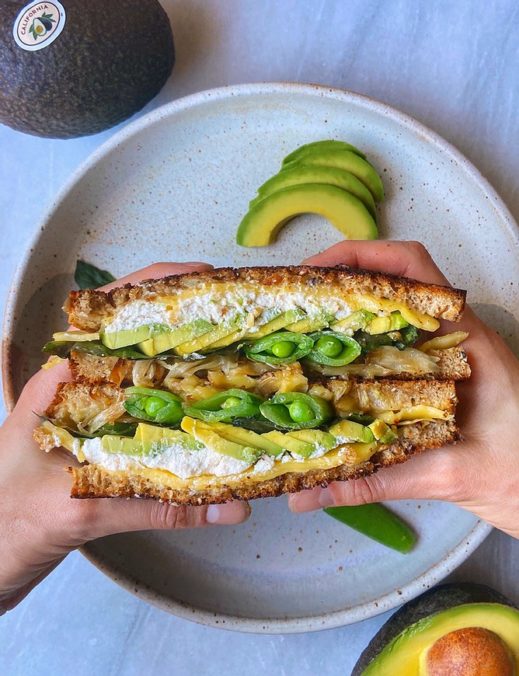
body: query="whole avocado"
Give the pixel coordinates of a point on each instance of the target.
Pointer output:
(110, 58)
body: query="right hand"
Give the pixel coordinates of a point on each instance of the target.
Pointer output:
(481, 473)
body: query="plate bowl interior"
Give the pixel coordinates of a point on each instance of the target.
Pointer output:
(173, 186)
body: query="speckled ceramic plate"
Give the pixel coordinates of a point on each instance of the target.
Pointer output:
(173, 186)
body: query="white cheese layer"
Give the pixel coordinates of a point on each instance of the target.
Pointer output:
(176, 459)
(139, 313)
(216, 308)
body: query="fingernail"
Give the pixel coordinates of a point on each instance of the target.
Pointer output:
(228, 513)
(305, 501)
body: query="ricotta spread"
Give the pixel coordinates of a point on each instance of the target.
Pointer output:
(139, 313)
(178, 460)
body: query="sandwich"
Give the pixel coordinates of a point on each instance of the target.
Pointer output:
(252, 382)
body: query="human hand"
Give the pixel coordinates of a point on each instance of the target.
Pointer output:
(39, 522)
(481, 473)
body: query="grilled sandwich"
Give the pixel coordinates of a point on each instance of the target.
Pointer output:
(252, 382)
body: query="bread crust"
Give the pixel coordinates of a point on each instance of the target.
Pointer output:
(92, 481)
(87, 309)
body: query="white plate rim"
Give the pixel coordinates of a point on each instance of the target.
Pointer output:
(253, 625)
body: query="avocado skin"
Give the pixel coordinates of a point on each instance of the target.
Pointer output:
(433, 601)
(109, 61)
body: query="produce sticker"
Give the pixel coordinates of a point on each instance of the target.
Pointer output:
(38, 24)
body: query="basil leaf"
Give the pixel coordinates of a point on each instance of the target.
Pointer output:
(88, 276)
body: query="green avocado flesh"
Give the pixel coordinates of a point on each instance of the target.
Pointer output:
(327, 144)
(172, 338)
(302, 173)
(117, 339)
(404, 653)
(347, 161)
(346, 212)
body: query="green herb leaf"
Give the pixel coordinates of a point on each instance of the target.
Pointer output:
(88, 276)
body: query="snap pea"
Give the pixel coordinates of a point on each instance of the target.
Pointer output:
(378, 523)
(333, 349)
(400, 339)
(283, 347)
(226, 406)
(155, 406)
(296, 410)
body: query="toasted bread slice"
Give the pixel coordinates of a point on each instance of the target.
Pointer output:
(77, 402)
(93, 481)
(88, 310)
(452, 364)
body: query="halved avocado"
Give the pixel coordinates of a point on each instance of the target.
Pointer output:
(302, 173)
(328, 144)
(345, 211)
(412, 630)
(347, 160)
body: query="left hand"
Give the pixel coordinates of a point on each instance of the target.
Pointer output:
(39, 522)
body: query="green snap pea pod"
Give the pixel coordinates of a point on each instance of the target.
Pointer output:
(283, 347)
(296, 411)
(152, 405)
(400, 339)
(333, 349)
(226, 406)
(62, 348)
(378, 523)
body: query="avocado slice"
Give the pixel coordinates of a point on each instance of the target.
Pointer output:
(207, 435)
(169, 340)
(357, 320)
(302, 173)
(309, 324)
(315, 437)
(246, 437)
(435, 600)
(348, 161)
(146, 438)
(382, 432)
(403, 651)
(346, 212)
(352, 432)
(289, 443)
(205, 341)
(327, 144)
(280, 321)
(117, 339)
(393, 322)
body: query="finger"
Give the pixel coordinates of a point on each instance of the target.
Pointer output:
(157, 271)
(407, 259)
(422, 477)
(106, 517)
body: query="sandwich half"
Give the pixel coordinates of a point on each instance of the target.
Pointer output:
(252, 382)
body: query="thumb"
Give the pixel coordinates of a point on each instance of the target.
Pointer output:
(100, 517)
(427, 477)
